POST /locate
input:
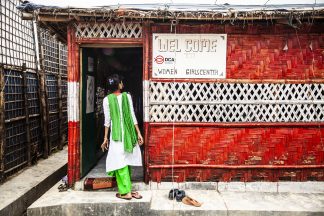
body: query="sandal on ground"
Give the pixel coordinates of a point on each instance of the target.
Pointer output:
(62, 187)
(189, 201)
(172, 193)
(118, 195)
(180, 194)
(177, 194)
(136, 195)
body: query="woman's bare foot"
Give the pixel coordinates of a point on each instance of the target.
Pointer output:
(127, 196)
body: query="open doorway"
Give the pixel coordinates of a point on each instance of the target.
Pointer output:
(97, 64)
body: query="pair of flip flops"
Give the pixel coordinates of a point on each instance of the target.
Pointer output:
(135, 195)
(190, 201)
(177, 194)
(63, 187)
(180, 196)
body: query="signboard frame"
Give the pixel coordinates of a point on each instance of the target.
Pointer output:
(189, 56)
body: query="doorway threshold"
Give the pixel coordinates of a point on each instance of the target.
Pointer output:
(99, 171)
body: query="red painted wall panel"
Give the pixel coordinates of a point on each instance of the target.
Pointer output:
(278, 146)
(263, 57)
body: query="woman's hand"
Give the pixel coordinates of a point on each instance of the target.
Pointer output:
(139, 135)
(140, 139)
(104, 145)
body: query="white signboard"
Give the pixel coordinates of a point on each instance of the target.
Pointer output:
(90, 94)
(195, 56)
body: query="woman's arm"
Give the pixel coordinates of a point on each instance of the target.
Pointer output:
(104, 145)
(139, 135)
(106, 110)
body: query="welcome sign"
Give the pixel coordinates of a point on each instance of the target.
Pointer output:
(195, 56)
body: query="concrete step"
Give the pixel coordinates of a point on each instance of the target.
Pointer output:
(21, 190)
(240, 203)
(99, 171)
(228, 200)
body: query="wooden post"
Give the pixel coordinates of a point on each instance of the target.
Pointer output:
(43, 98)
(59, 87)
(26, 105)
(2, 123)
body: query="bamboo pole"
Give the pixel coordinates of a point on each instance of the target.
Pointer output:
(238, 124)
(15, 119)
(26, 105)
(146, 51)
(68, 16)
(257, 81)
(218, 102)
(2, 123)
(59, 87)
(225, 166)
(43, 97)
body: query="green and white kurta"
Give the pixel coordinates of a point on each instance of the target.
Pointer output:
(117, 158)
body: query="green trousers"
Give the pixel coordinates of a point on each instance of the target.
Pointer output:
(123, 178)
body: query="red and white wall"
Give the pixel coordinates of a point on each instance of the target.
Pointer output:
(264, 122)
(238, 136)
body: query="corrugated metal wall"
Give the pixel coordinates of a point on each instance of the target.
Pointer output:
(33, 107)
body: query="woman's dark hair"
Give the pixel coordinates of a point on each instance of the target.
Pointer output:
(113, 82)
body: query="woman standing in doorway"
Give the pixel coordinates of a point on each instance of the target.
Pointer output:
(125, 137)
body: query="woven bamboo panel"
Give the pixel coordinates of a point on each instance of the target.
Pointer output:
(275, 56)
(215, 175)
(235, 146)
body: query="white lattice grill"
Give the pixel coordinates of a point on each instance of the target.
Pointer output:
(108, 30)
(235, 102)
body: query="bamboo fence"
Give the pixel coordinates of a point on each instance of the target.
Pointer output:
(33, 97)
